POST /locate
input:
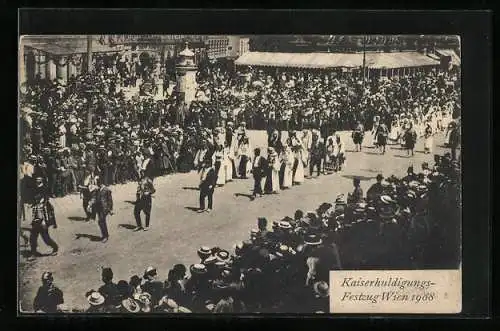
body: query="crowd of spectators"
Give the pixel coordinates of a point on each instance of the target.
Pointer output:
(58, 145)
(401, 223)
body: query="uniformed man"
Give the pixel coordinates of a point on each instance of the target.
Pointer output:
(144, 202)
(43, 218)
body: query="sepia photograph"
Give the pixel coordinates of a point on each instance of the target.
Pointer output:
(233, 174)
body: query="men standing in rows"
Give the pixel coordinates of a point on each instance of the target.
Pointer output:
(48, 297)
(103, 207)
(143, 202)
(207, 185)
(43, 218)
(258, 171)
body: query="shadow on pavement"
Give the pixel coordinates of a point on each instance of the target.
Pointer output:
(402, 156)
(243, 195)
(77, 218)
(192, 208)
(26, 253)
(360, 177)
(127, 226)
(88, 236)
(130, 201)
(190, 188)
(373, 153)
(398, 148)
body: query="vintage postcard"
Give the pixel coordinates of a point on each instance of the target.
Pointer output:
(239, 174)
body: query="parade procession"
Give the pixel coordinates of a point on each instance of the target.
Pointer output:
(179, 177)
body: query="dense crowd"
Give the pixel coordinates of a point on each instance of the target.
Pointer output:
(57, 145)
(400, 223)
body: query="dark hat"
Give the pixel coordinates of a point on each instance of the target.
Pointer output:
(107, 273)
(380, 177)
(262, 222)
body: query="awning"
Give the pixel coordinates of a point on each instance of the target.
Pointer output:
(336, 60)
(455, 59)
(300, 60)
(399, 60)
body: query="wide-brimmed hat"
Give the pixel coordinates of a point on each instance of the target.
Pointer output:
(198, 269)
(95, 298)
(204, 252)
(321, 289)
(312, 240)
(222, 255)
(386, 199)
(150, 271)
(284, 225)
(210, 260)
(131, 305)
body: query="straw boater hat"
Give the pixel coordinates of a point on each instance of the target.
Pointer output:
(312, 240)
(198, 269)
(222, 255)
(145, 300)
(131, 305)
(284, 225)
(95, 299)
(204, 252)
(321, 289)
(386, 199)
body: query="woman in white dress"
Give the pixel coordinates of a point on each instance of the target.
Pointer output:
(338, 153)
(394, 134)
(428, 141)
(288, 159)
(218, 160)
(227, 165)
(272, 184)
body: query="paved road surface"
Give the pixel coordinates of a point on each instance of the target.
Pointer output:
(177, 231)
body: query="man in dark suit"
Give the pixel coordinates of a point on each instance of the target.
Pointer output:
(103, 207)
(258, 171)
(207, 185)
(144, 202)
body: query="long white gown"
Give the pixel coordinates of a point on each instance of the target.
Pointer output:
(221, 174)
(299, 172)
(227, 165)
(394, 134)
(288, 159)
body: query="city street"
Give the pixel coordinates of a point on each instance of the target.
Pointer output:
(177, 231)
